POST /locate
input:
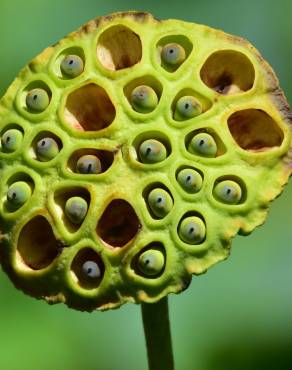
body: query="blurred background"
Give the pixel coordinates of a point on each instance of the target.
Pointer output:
(238, 316)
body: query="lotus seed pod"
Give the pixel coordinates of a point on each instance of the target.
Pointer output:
(76, 209)
(98, 232)
(18, 193)
(152, 151)
(160, 202)
(11, 140)
(187, 107)
(173, 54)
(89, 164)
(151, 262)
(47, 149)
(203, 144)
(37, 100)
(228, 191)
(192, 230)
(72, 66)
(190, 180)
(144, 99)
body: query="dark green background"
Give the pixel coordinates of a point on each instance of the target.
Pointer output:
(236, 317)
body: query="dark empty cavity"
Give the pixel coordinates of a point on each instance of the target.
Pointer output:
(89, 108)
(37, 244)
(62, 195)
(255, 130)
(119, 47)
(174, 39)
(153, 245)
(85, 255)
(118, 224)
(144, 80)
(106, 158)
(228, 72)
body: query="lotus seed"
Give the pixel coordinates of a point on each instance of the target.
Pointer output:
(72, 66)
(190, 180)
(18, 193)
(187, 107)
(76, 209)
(203, 144)
(192, 230)
(47, 149)
(152, 151)
(228, 191)
(173, 55)
(151, 262)
(160, 202)
(91, 270)
(11, 140)
(88, 164)
(144, 99)
(37, 100)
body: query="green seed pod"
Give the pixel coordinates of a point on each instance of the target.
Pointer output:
(151, 262)
(72, 66)
(192, 230)
(76, 209)
(37, 100)
(160, 202)
(203, 144)
(187, 107)
(228, 191)
(152, 151)
(18, 193)
(190, 180)
(144, 99)
(88, 164)
(91, 270)
(173, 55)
(47, 149)
(11, 140)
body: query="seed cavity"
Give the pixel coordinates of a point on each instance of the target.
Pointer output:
(228, 72)
(159, 201)
(89, 108)
(190, 179)
(76, 209)
(203, 144)
(46, 146)
(87, 267)
(118, 48)
(11, 140)
(152, 151)
(118, 224)
(72, 66)
(192, 230)
(37, 97)
(18, 194)
(230, 190)
(255, 130)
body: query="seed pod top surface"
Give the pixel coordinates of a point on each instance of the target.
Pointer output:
(93, 238)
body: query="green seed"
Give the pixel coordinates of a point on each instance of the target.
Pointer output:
(76, 209)
(160, 202)
(91, 270)
(190, 180)
(47, 149)
(152, 151)
(192, 230)
(144, 99)
(88, 164)
(11, 140)
(151, 262)
(203, 144)
(18, 193)
(37, 100)
(72, 66)
(187, 107)
(228, 191)
(173, 55)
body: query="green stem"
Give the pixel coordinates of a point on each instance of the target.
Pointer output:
(157, 335)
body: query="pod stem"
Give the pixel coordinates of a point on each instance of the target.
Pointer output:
(157, 334)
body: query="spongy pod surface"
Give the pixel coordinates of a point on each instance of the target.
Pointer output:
(132, 152)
